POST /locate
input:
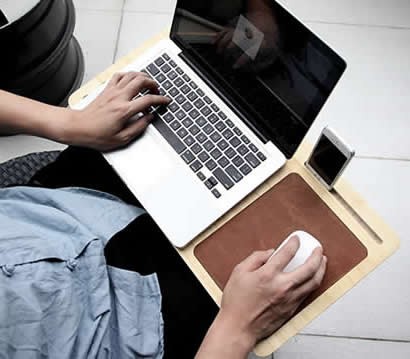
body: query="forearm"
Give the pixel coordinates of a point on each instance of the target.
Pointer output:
(225, 340)
(19, 115)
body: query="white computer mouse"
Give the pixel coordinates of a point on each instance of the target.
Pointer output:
(308, 243)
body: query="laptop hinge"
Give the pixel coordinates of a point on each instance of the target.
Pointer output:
(234, 107)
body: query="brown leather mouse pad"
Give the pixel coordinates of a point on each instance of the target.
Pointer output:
(289, 206)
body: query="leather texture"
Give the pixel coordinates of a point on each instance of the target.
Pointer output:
(289, 206)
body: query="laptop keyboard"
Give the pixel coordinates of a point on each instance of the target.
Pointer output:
(201, 134)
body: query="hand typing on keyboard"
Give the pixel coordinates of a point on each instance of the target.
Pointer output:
(104, 124)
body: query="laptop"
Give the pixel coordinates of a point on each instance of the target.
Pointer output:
(246, 84)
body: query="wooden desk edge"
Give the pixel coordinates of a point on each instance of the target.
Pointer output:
(371, 224)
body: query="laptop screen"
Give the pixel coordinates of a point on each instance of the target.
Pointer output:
(263, 59)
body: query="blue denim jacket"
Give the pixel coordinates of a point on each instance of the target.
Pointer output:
(58, 298)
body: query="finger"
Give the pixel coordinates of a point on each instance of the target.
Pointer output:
(127, 78)
(115, 79)
(255, 260)
(282, 257)
(243, 60)
(306, 288)
(139, 84)
(224, 41)
(219, 36)
(307, 270)
(134, 129)
(143, 103)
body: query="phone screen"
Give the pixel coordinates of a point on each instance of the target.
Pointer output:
(327, 160)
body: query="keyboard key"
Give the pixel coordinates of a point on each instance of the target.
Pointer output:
(192, 96)
(223, 162)
(200, 93)
(252, 160)
(179, 70)
(168, 117)
(234, 173)
(209, 184)
(169, 136)
(162, 92)
(188, 157)
(222, 145)
(174, 92)
(172, 63)
(189, 141)
(227, 134)
(216, 193)
(261, 156)
(215, 107)
(238, 161)
(220, 126)
(178, 82)
(203, 156)
(165, 68)
(201, 137)
(208, 129)
(243, 150)
(245, 169)
(196, 148)
(175, 125)
(230, 152)
(196, 166)
(210, 165)
(180, 99)
(213, 181)
(209, 145)
(186, 78)
(152, 69)
(223, 178)
(201, 176)
(245, 139)
(223, 116)
(201, 121)
(205, 111)
(160, 78)
(213, 118)
(173, 107)
(216, 154)
(229, 123)
(194, 130)
(166, 57)
(185, 89)
(193, 85)
(159, 61)
(172, 75)
(216, 137)
(253, 148)
(167, 85)
(187, 122)
(199, 104)
(207, 100)
(187, 106)
(194, 114)
(182, 132)
(180, 115)
(237, 131)
(235, 141)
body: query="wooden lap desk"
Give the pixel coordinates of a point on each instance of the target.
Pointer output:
(291, 199)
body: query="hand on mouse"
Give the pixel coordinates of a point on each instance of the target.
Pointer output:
(259, 297)
(103, 124)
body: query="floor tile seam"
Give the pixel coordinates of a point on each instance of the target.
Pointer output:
(383, 158)
(381, 26)
(352, 337)
(117, 40)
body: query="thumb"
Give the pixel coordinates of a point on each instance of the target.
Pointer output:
(135, 129)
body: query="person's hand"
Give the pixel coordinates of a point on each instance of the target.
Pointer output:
(105, 123)
(259, 297)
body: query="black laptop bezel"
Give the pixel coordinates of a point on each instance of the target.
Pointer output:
(238, 105)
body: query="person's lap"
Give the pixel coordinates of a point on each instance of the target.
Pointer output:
(187, 309)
